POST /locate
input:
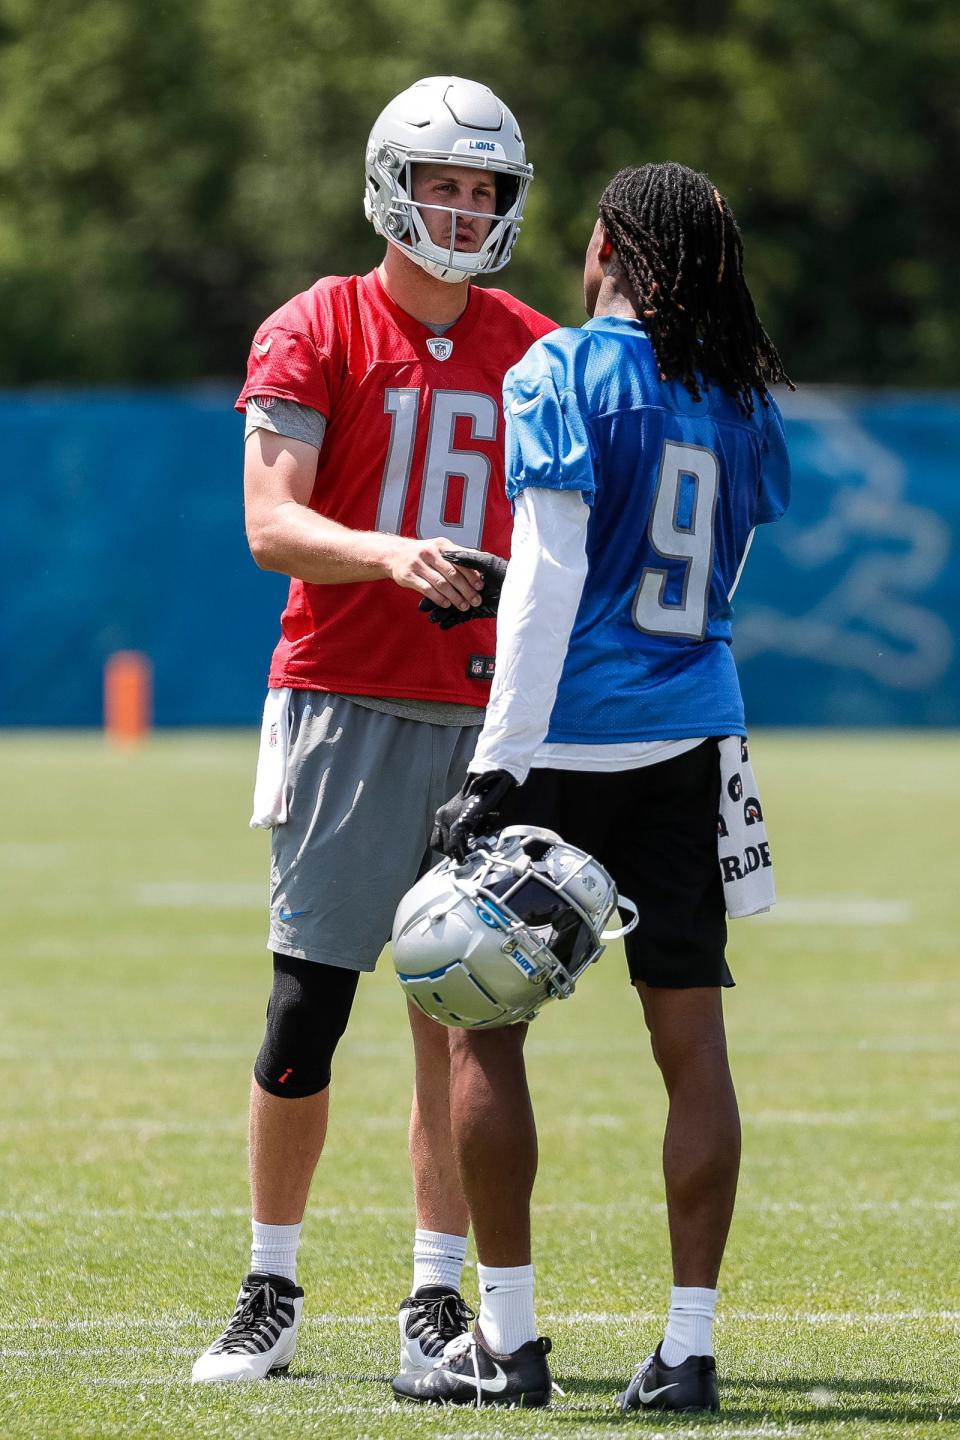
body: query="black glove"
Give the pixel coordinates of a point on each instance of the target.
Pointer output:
(475, 811)
(492, 568)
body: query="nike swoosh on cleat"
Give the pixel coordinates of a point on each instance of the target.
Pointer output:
(518, 407)
(645, 1396)
(493, 1386)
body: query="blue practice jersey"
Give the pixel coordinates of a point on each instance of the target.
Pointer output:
(676, 487)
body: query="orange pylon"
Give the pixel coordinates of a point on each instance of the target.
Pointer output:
(127, 696)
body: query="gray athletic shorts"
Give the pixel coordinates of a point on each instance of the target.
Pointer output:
(362, 790)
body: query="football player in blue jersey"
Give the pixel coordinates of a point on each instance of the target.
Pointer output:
(642, 450)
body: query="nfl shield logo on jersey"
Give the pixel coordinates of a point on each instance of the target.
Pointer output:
(440, 348)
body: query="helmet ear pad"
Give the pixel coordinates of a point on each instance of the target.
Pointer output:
(507, 188)
(489, 941)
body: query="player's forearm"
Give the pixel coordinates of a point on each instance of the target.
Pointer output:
(294, 540)
(538, 607)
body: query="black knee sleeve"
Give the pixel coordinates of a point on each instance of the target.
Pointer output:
(307, 1014)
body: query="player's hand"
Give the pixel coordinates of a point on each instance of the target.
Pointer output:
(475, 811)
(423, 565)
(493, 568)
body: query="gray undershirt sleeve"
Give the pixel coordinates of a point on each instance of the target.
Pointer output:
(285, 417)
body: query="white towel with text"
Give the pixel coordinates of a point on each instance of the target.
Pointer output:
(742, 845)
(270, 787)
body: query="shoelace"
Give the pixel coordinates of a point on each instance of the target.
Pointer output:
(443, 1318)
(466, 1344)
(460, 1346)
(641, 1369)
(259, 1303)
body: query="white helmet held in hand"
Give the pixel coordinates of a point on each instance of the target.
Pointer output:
(445, 120)
(488, 941)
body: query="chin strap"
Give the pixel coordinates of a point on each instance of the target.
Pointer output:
(623, 904)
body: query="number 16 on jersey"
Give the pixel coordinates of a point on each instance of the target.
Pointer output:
(442, 461)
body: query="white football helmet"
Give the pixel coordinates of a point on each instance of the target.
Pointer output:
(488, 941)
(445, 120)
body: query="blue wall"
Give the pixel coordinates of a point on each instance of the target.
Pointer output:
(122, 528)
(847, 614)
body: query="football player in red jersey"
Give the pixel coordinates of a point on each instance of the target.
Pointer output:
(374, 445)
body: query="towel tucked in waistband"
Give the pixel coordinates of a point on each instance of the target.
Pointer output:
(742, 845)
(270, 787)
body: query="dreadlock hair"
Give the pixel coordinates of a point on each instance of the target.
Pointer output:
(679, 245)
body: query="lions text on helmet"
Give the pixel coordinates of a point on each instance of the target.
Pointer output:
(446, 177)
(490, 940)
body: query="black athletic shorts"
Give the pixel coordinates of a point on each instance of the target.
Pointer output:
(655, 830)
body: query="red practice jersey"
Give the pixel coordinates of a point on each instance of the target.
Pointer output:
(413, 446)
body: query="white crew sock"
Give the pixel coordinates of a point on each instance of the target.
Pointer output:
(438, 1259)
(506, 1318)
(689, 1325)
(274, 1249)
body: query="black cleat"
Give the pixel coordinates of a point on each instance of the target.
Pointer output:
(691, 1385)
(429, 1320)
(469, 1374)
(261, 1338)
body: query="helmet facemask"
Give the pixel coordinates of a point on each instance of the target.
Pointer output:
(398, 217)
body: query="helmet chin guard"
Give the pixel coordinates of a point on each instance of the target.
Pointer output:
(445, 120)
(487, 942)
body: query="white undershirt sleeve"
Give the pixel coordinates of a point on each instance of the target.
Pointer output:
(538, 606)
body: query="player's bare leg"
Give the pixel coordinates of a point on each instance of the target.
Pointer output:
(701, 1147)
(438, 1194)
(495, 1139)
(495, 1142)
(286, 1138)
(286, 1141)
(434, 1312)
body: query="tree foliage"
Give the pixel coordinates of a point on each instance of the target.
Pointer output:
(171, 172)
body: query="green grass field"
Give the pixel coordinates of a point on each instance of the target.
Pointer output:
(134, 983)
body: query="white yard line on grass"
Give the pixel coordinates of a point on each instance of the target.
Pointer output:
(200, 894)
(838, 911)
(35, 854)
(45, 1215)
(592, 1418)
(242, 894)
(147, 1127)
(574, 1317)
(61, 1352)
(854, 1117)
(763, 1317)
(183, 1382)
(145, 1052)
